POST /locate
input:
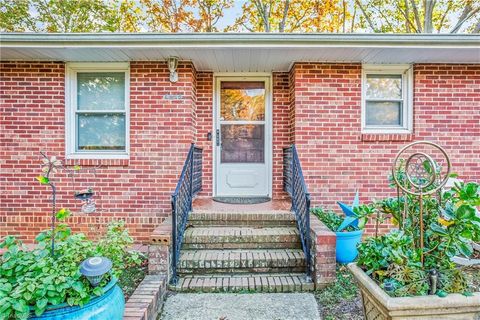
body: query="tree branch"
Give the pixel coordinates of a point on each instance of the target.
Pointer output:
(281, 27)
(416, 16)
(442, 20)
(428, 16)
(370, 23)
(477, 27)
(467, 13)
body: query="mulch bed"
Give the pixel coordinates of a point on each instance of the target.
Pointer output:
(131, 278)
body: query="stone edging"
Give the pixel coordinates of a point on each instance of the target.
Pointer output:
(147, 300)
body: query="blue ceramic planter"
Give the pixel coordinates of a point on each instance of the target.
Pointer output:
(347, 245)
(109, 306)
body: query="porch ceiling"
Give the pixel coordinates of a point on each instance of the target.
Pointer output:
(246, 52)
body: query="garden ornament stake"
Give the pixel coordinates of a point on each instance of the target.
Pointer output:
(422, 177)
(49, 166)
(85, 195)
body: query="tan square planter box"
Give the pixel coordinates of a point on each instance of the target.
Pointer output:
(378, 305)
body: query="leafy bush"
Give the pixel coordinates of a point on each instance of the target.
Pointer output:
(37, 279)
(334, 221)
(329, 218)
(451, 224)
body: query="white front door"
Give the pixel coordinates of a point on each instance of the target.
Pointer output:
(243, 141)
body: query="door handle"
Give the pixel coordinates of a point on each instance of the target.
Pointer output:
(217, 137)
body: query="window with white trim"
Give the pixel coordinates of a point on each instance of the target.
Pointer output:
(387, 104)
(97, 110)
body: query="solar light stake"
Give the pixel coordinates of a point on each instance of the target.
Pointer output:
(95, 268)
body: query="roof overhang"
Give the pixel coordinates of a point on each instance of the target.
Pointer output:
(246, 52)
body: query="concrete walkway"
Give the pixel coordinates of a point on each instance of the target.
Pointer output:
(247, 306)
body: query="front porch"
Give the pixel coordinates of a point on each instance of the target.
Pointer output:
(232, 248)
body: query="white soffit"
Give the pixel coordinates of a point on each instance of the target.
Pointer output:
(242, 52)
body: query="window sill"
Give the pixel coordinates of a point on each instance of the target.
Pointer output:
(387, 137)
(87, 161)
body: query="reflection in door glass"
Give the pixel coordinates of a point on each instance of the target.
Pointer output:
(243, 143)
(242, 100)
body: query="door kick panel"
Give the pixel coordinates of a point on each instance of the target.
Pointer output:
(242, 179)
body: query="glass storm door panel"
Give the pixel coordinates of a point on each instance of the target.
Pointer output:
(242, 139)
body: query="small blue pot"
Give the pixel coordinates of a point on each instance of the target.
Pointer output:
(347, 245)
(109, 306)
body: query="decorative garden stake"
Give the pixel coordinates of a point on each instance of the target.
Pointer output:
(95, 268)
(86, 195)
(423, 177)
(50, 166)
(349, 211)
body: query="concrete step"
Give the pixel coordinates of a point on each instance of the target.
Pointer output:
(241, 238)
(242, 218)
(271, 282)
(240, 260)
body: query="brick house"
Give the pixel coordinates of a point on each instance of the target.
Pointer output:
(124, 104)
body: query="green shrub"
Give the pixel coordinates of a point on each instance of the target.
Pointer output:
(450, 225)
(37, 279)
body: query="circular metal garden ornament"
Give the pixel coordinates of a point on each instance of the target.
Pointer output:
(417, 173)
(422, 173)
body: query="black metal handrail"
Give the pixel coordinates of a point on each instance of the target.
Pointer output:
(294, 185)
(189, 184)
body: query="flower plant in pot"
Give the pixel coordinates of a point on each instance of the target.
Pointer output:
(407, 272)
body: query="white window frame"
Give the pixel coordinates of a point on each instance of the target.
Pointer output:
(406, 71)
(71, 108)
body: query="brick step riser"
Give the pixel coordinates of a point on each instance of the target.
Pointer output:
(237, 263)
(238, 223)
(256, 283)
(205, 271)
(244, 239)
(244, 245)
(242, 289)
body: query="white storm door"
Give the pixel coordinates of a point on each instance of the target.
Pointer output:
(242, 136)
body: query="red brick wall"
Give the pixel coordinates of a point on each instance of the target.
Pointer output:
(204, 126)
(281, 129)
(337, 159)
(316, 105)
(135, 190)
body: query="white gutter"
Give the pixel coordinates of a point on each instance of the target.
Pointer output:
(235, 40)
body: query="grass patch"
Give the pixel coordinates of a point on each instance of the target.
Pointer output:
(131, 277)
(340, 300)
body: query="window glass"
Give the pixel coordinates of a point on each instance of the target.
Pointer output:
(101, 90)
(383, 113)
(243, 143)
(384, 86)
(100, 131)
(242, 100)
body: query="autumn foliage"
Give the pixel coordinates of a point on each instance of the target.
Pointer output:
(332, 16)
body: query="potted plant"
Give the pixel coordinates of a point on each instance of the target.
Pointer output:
(47, 282)
(35, 284)
(348, 230)
(401, 279)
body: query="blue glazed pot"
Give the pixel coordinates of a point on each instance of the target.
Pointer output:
(109, 306)
(347, 245)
